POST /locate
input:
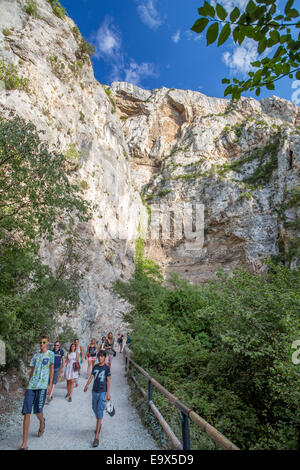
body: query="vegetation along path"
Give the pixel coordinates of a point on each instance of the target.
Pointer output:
(71, 425)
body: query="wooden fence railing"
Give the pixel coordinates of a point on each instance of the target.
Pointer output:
(186, 412)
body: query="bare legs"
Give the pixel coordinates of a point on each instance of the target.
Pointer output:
(70, 387)
(51, 394)
(26, 424)
(97, 432)
(88, 369)
(98, 428)
(90, 365)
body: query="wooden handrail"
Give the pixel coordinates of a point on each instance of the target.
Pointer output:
(212, 432)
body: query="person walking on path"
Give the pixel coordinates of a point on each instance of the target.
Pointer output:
(100, 392)
(80, 350)
(40, 380)
(120, 341)
(91, 353)
(108, 347)
(102, 343)
(59, 360)
(70, 373)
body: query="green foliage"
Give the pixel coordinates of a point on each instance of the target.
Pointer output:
(35, 195)
(267, 161)
(147, 207)
(163, 192)
(85, 50)
(293, 198)
(223, 348)
(76, 68)
(58, 9)
(84, 185)
(72, 155)
(57, 67)
(245, 194)
(81, 117)
(76, 33)
(139, 250)
(31, 299)
(112, 101)
(6, 32)
(261, 23)
(35, 189)
(12, 81)
(31, 8)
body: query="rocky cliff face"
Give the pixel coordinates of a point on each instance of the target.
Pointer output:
(66, 101)
(177, 148)
(240, 161)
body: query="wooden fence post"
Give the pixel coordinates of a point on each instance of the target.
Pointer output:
(185, 427)
(149, 393)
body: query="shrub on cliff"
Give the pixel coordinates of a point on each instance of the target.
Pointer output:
(58, 9)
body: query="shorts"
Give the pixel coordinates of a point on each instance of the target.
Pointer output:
(55, 376)
(98, 403)
(92, 358)
(34, 399)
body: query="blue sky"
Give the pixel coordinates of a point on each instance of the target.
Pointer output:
(149, 43)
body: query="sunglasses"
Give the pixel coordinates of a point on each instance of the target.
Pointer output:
(43, 342)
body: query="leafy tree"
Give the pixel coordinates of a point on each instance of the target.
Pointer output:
(261, 23)
(34, 183)
(32, 299)
(35, 193)
(224, 348)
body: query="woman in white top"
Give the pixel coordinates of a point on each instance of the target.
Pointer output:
(102, 343)
(70, 373)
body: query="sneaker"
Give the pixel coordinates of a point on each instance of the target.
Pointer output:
(70, 399)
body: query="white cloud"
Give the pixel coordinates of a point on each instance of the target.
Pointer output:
(108, 40)
(149, 14)
(176, 37)
(230, 4)
(136, 72)
(192, 36)
(239, 60)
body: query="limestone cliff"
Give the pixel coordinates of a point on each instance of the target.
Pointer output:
(64, 99)
(173, 146)
(241, 161)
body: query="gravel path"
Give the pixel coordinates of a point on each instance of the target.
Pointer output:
(71, 426)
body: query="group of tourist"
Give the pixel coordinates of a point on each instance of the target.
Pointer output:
(45, 370)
